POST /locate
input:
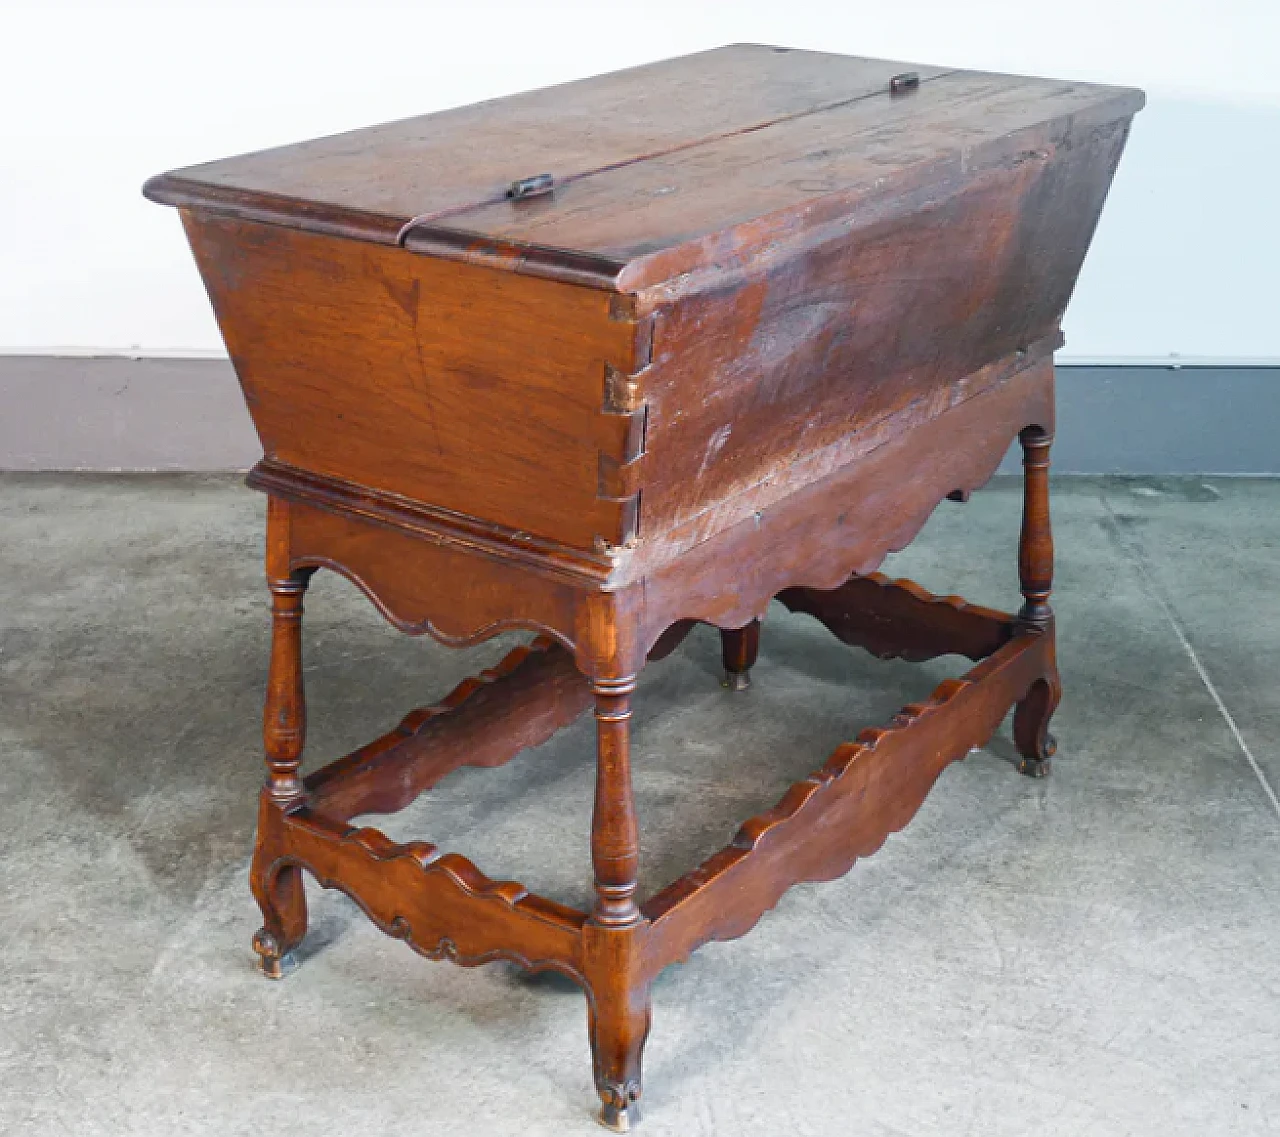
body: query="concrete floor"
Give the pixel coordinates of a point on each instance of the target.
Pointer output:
(1098, 954)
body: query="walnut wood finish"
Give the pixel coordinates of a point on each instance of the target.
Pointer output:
(438, 903)
(772, 307)
(867, 790)
(739, 648)
(452, 407)
(278, 887)
(486, 721)
(756, 148)
(896, 619)
(611, 622)
(685, 389)
(671, 639)
(615, 835)
(1035, 544)
(368, 184)
(1035, 570)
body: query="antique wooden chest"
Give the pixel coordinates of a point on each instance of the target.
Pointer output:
(609, 359)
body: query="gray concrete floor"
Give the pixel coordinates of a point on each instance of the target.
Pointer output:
(1097, 954)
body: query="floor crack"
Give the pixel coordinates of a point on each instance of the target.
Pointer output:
(1135, 556)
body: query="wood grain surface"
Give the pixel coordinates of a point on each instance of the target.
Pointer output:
(658, 169)
(765, 310)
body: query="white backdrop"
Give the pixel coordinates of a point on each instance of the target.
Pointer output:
(95, 98)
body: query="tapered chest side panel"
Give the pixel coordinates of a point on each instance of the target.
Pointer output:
(779, 373)
(471, 390)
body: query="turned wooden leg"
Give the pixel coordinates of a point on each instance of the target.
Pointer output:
(619, 998)
(615, 834)
(279, 890)
(1035, 568)
(1035, 544)
(738, 649)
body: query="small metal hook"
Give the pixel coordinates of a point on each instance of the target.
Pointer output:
(531, 187)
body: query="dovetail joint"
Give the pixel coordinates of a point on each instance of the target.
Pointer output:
(620, 476)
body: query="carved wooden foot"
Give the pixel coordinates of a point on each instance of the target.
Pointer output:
(618, 1014)
(618, 1035)
(738, 649)
(283, 902)
(1031, 728)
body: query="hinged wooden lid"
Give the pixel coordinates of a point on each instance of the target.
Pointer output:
(629, 179)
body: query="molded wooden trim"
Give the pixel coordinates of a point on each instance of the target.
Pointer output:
(438, 525)
(272, 209)
(400, 572)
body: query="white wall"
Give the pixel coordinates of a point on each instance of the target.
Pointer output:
(95, 98)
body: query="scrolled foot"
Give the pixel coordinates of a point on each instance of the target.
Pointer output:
(1031, 727)
(736, 680)
(279, 892)
(272, 962)
(1040, 766)
(620, 1108)
(618, 1014)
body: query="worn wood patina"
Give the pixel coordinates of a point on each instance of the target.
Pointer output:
(608, 360)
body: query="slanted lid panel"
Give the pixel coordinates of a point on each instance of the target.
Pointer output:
(370, 182)
(719, 201)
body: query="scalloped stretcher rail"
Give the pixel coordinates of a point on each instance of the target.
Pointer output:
(440, 904)
(443, 906)
(867, 790)
(897, 619)
(486, 720)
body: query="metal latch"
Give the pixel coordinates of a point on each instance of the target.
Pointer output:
(516, 191)
(531, 187)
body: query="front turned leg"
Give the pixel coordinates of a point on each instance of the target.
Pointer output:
(618, 998)
(277, 886)
(739, 648)
(1035, 569)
